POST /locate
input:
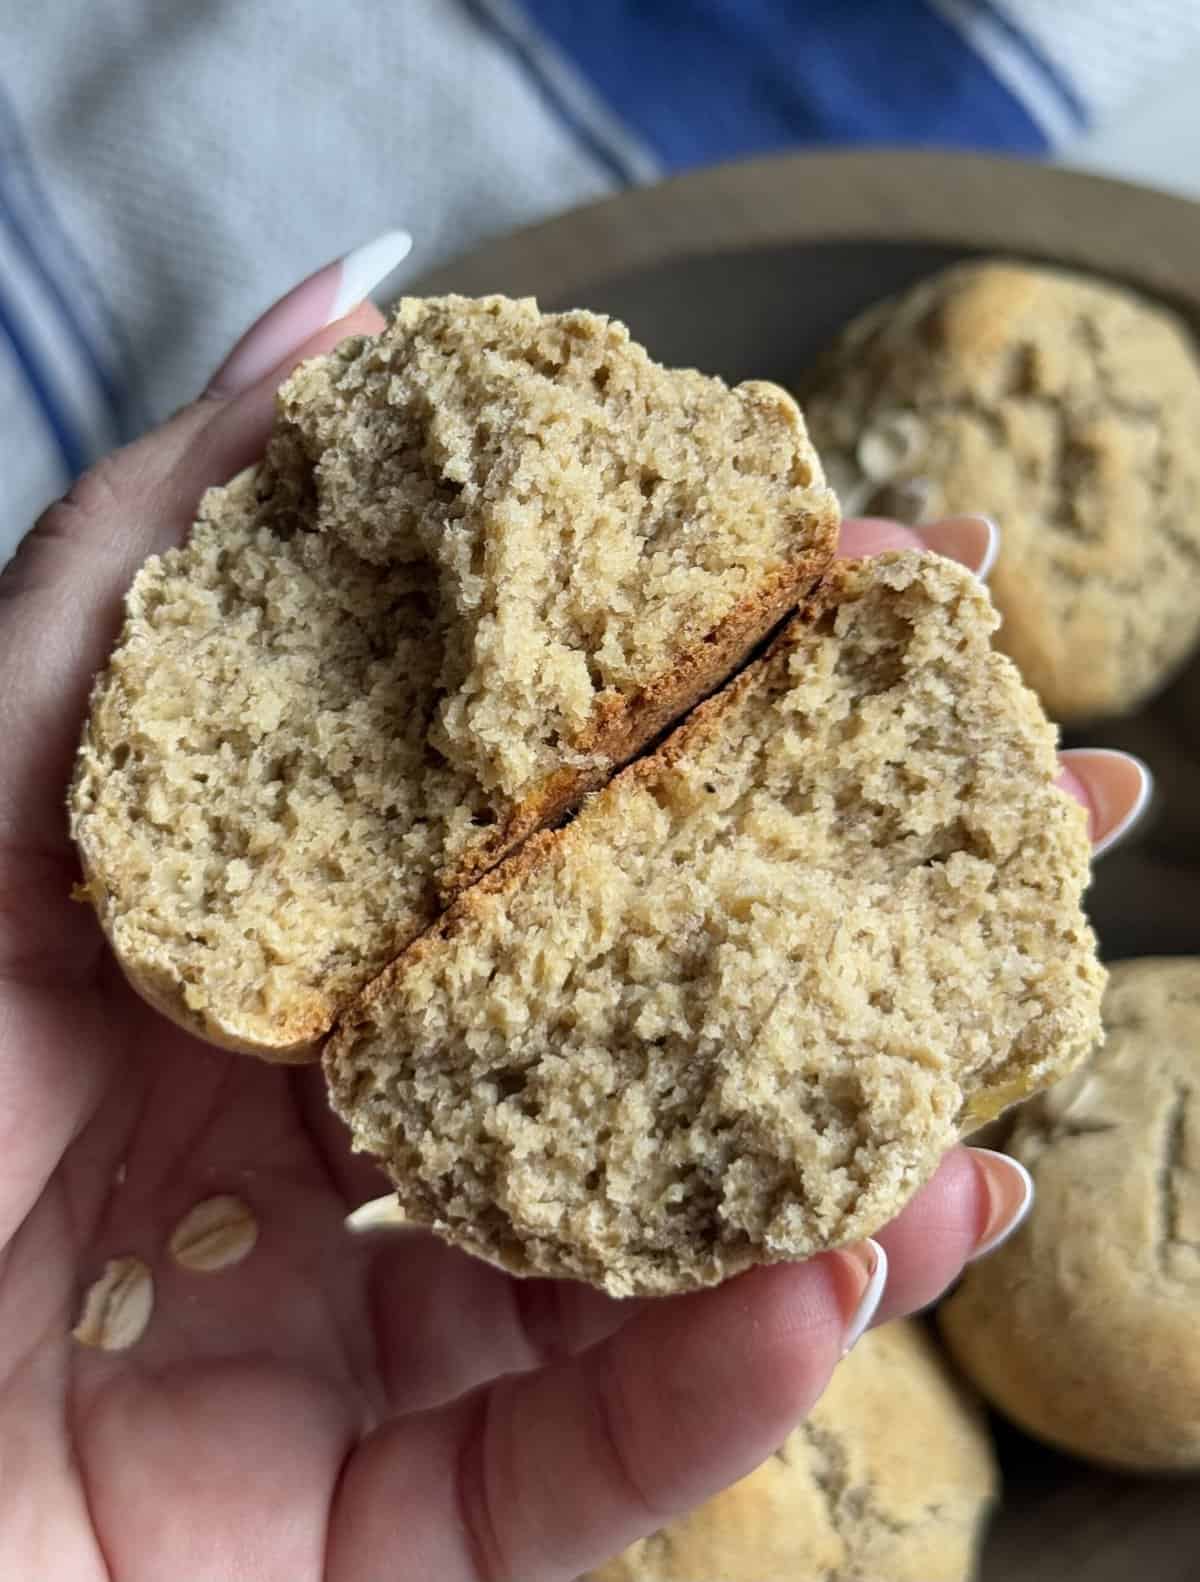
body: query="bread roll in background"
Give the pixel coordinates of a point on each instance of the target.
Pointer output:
(1069, 410)
(1084, 1328)
(891, 1478)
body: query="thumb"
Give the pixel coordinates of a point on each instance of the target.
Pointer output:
(60, 597)
(542, 1474)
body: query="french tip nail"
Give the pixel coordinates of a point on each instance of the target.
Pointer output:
(364, 269)
(990, 550)
(1138, 802)
(1136, 811)
(1011, 1190)
(381, 1213)
(974, 541)
(875, 1262)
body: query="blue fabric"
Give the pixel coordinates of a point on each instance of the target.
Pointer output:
(1037, 58)
(31, 221)
(705, 80)
(67, 441)
(528, 59)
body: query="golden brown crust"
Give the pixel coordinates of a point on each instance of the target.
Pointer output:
(622, 728)
(1067, 408)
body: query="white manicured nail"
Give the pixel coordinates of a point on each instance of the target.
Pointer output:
(381, 1213)
(365, 268)
(870, 1256)
(273, 341)
(1010, 1197)
(1120, 788)
(974, 541)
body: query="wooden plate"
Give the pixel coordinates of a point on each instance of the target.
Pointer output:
(744, 271)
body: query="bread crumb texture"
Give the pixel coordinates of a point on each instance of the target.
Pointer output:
(736, 1011)
(1068, 409)
(491, 552)
(589, 514)
(260, 817)
(847, 1497)
(1083, 1327)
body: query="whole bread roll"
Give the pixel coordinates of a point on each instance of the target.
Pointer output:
(1085, 1327)
(890, 1479)
(1067, 408)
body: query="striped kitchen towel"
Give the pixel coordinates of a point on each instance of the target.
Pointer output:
(167, 169)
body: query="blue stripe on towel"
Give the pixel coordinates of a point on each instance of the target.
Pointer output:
(36, 231)
(1040, 62)
(705, 80)
(70, 448)
(587, 123)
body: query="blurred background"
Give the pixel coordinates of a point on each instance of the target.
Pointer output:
(169, 167)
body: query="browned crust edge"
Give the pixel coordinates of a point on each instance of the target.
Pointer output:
(156, 984)
(845, 581)
(622, 727)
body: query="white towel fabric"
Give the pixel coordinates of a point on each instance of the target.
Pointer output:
(202, 157)
(169, 167)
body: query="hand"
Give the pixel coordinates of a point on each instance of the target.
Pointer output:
(335, 1407)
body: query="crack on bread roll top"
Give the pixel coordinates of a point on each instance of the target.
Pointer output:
(591, 515)
(737, 1010)
(491, 554)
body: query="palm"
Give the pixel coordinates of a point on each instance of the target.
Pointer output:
(273, 1357)
(236, 1411)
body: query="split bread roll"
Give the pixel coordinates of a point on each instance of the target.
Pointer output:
(739, 1008)
(890, 1478)
(490, 554)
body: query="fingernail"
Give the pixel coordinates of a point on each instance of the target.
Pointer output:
(869, 1265)
(320, 300)
(381, 1213)
(1119, 789)
(364, 268)
(974, 541)
(1010, 1197)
